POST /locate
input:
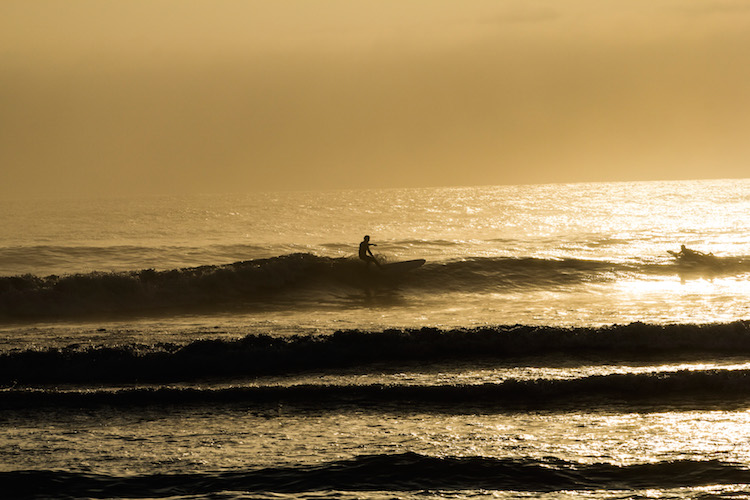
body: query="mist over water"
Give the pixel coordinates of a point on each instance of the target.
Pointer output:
(236, 345)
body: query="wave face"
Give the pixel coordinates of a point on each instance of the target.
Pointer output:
(398, 472)
(296, 277)
(33, 297)
(256, 355)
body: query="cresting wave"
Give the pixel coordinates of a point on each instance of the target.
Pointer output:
(398, 472)
(684, 388)
(255, 355)
(292, 277)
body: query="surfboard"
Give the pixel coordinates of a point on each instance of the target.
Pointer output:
(405, 265)
(694, 258)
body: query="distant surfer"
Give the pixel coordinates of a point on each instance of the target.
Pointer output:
(365, 253)
(689, 254)
(686, 252)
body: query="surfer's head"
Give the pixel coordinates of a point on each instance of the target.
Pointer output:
(367, 237)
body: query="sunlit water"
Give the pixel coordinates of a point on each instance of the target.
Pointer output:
(583, 255)
(624, 227)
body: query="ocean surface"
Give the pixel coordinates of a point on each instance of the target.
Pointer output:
(234, 346)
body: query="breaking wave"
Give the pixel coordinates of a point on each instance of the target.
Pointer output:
(680, 388)
(291, 279)
(385, 472)
(256, 355)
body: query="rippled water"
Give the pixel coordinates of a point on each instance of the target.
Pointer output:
(234, 347)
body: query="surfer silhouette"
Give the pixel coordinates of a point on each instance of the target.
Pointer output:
(685, 251)
(365, 253)
(689, 255)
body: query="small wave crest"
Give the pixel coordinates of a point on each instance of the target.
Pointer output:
(256, 355)
(387, 472)
(684, 387)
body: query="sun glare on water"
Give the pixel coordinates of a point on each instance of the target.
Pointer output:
(690, 300)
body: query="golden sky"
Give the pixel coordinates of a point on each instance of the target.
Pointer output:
(171, 96)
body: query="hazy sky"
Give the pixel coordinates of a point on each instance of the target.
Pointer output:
(170, 96)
